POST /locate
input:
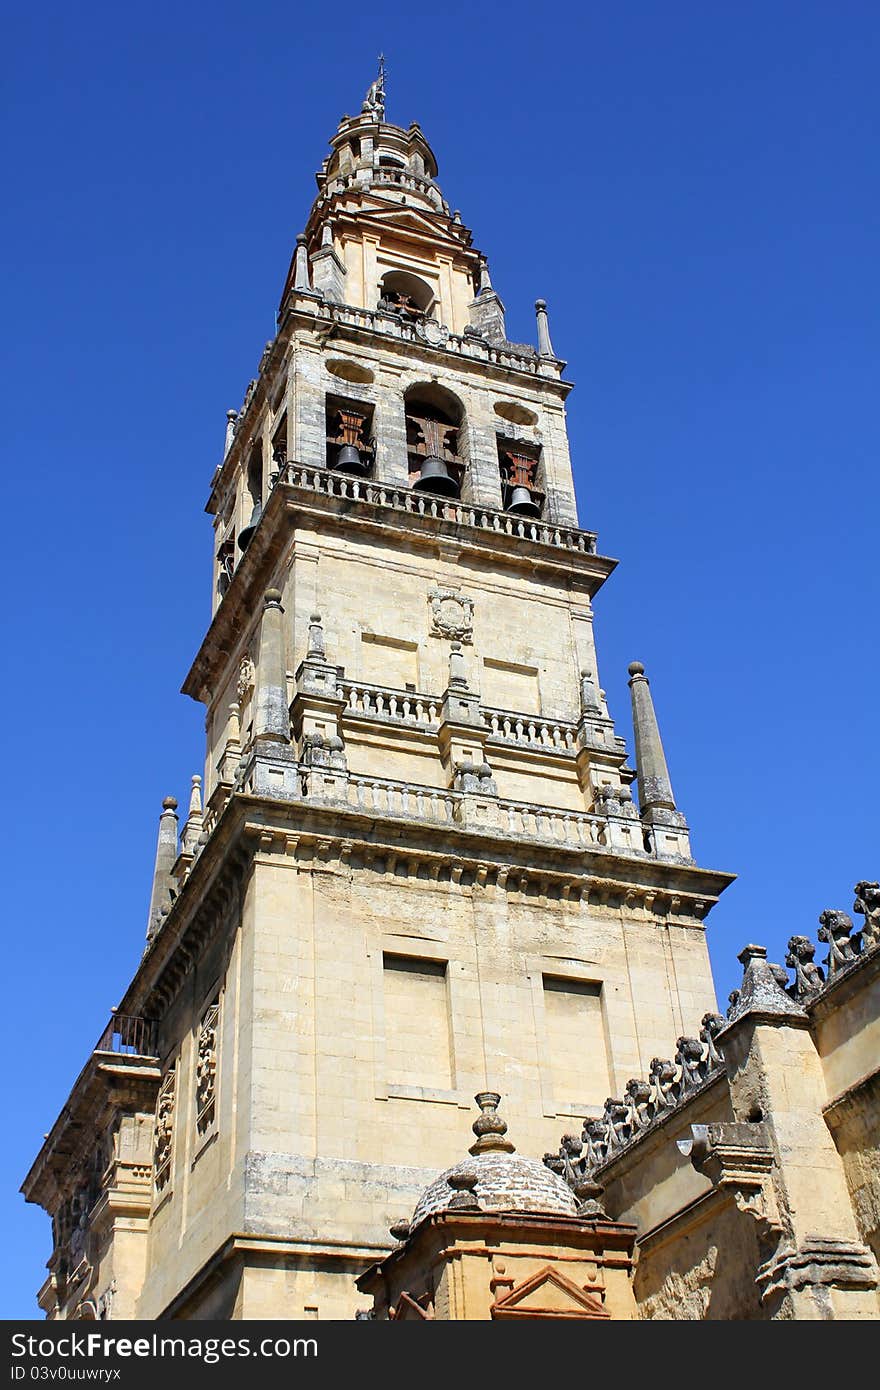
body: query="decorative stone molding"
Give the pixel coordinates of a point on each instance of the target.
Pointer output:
(206, 1070)
(246, 678)
(163, 1133)
(452, 614)
(817, 1264)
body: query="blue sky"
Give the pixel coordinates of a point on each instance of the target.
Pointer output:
(693, 190)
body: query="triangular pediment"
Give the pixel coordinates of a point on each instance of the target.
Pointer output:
(408, 1310)
(408, 221)
(548, 1294)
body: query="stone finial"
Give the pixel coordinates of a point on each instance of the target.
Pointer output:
(162, 895)
(195, 820)
(327, 234)
(457, 672)
(545, 347)
(485, 282)
(463, 1183)
(589, 696)
(301, 279)
(655, 788)
(316, 637)
(231, 417)
(763, 987)
(489, 1127)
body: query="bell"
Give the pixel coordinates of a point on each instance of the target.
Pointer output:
(522, 503)
(348, 460)
(246, 536)
(436, 477)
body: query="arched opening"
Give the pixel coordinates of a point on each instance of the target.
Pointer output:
(254, 482)
(435, 439)
(402, 293)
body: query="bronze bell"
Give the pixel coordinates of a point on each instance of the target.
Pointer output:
(436, 477)
(247, 532)
(349, 460)
(522, 502)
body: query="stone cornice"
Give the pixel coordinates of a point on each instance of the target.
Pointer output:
(330, 833)
(106, 1082)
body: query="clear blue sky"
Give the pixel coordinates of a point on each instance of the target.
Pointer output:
(691, 187)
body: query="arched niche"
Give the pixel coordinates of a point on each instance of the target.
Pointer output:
(436, 429)
(401, 292)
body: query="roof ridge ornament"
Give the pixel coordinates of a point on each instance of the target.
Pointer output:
(374, 101)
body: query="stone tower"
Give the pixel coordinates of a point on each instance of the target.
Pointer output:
(415, 870)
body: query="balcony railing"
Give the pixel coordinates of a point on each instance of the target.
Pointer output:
(330, 483)
(127, 1035)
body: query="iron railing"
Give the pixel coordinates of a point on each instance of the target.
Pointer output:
(129, 1035)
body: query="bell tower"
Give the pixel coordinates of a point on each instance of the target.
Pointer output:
(415, 870)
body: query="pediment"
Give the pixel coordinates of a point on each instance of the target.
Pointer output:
(548, 1294)
(408, 1309)
(408, 221)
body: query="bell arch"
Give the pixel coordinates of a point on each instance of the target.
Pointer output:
(402, 292)
(436, 439)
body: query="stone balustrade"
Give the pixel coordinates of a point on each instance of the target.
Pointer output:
(531, 731)
(396, 706)
(383, 797)
(329, 483)
(512, 356)
(578, 829)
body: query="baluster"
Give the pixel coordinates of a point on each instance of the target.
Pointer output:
(392, 707)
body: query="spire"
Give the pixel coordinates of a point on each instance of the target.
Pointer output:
(272, 720)
(655, 788)
(162, 895)
(374, 101)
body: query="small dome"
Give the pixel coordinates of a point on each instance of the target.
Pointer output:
(495, 1177)
(505, 1182)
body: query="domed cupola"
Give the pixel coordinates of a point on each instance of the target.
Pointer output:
(495, 1178)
